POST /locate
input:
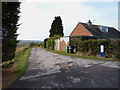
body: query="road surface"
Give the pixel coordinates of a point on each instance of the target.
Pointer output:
(49, 70)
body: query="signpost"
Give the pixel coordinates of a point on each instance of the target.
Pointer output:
(102, 51)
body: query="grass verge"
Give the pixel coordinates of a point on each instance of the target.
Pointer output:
(13, 73)
(81, 56)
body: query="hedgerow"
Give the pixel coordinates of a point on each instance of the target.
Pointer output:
(92, 47)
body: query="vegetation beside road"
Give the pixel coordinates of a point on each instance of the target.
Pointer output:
(10, 16)
(80, 55)
(11, 74)
(92, 47)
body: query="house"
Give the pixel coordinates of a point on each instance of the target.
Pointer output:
(91, 31)
(61, 43)
(86, 31)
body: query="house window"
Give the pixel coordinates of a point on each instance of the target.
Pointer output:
(103, 28)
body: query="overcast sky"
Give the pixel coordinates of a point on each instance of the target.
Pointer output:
(37, 17)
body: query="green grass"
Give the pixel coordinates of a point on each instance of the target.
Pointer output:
(21, 62)
(13, 73)
(81, 56)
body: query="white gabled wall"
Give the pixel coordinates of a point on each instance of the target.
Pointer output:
(61, 43)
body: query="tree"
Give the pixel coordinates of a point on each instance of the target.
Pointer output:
(45, 40)
(56, 27)
(10, 17)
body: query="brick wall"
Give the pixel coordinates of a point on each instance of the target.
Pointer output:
(63, 45)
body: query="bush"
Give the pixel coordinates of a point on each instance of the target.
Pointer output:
(7, 64)
(41, 44)
(92, 47)
(49, 42)
(44, 43)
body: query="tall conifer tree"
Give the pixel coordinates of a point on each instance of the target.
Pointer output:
(56, 27)
(10, 17)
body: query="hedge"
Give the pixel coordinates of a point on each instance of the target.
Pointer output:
(92, 47)
(50, 42)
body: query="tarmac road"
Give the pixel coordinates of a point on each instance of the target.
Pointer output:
(49, 70)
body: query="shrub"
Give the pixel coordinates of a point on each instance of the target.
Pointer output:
(92, 47)
(44, 43)
(49, 42)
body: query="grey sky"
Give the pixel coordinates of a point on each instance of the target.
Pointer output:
(37, 17)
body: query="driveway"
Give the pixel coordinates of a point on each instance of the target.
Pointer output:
(49, 70)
